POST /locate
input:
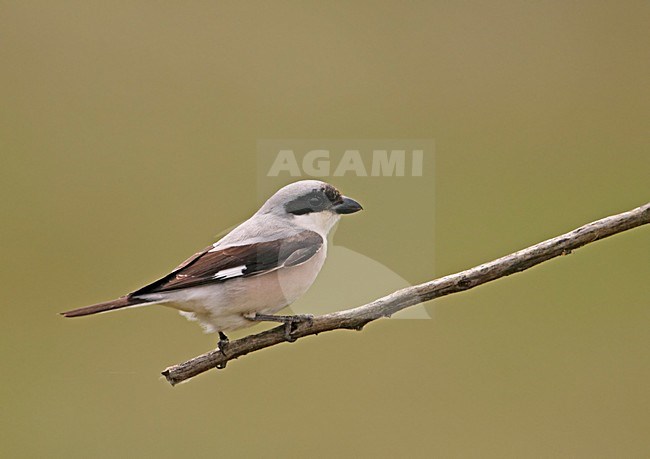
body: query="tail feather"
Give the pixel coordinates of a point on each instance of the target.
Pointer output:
(123, 302)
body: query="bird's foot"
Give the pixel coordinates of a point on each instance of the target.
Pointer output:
(290, 322)
(223, 343)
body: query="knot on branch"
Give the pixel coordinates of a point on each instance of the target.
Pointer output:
(463, 283)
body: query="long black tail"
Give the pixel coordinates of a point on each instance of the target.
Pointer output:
(123, 302)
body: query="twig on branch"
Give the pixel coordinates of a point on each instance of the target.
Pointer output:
(355, 319)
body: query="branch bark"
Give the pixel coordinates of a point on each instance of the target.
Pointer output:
(357, 318)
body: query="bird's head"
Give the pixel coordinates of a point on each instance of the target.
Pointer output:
(311, 204)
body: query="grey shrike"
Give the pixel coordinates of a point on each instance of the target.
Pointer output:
(261, 266)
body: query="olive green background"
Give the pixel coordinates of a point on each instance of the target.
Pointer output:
(128, 138)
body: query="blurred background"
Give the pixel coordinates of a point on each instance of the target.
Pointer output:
(129, 135)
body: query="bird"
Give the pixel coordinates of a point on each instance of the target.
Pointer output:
(254, 271)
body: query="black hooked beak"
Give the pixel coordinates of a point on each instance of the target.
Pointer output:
(348, 206)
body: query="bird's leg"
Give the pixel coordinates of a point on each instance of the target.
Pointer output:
(223, 342)
(289, 321)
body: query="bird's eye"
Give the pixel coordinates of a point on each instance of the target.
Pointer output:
(315, 202)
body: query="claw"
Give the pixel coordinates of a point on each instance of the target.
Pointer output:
(289, 322)
(223, 343)
(288, 330)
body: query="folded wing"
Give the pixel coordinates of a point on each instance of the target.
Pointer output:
(215, 265)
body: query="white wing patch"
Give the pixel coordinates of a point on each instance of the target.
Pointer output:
(230, 273)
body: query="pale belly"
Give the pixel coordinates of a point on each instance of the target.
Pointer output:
(221, 307)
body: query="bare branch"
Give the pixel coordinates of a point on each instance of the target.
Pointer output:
(356, 318)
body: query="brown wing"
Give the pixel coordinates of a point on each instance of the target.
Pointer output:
(215, 265)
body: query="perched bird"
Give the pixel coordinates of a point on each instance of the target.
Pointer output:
(261, 266)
